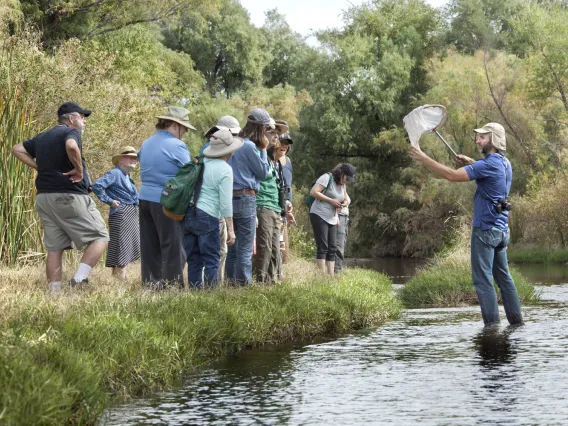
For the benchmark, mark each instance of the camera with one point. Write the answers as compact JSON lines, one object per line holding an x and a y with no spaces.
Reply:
{"x":283,"y":192}
{"x":502,"y":205}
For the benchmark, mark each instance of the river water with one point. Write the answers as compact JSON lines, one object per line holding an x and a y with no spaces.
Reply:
{"x":429,"y":367}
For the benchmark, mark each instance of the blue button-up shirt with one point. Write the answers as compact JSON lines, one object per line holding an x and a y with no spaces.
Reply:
{"x":160,"y":157}
{"x":250,"y":166}
{"x":116,"y":185}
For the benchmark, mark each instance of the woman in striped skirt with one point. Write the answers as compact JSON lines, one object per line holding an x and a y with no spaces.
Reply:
{"x":117,"y":189}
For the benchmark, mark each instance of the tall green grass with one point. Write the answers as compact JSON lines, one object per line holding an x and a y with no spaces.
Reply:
{"x":448,"y":283}
{"x":537,"y":255}
{"x":63,"y":359}
{"x":20,"y":233}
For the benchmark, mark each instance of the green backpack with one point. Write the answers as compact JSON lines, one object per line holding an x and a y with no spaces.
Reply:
{"x":178,"y":191}
{"x":309,"y":200}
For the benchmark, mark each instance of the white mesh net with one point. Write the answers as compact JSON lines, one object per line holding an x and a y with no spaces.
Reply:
{"x":424,"y":119}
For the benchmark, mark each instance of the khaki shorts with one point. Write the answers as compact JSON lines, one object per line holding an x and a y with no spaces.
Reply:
{"x":69,"y":218}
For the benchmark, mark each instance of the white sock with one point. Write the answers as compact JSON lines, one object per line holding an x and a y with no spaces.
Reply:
{"x":82,"y":273}
{"x":55,"y":286}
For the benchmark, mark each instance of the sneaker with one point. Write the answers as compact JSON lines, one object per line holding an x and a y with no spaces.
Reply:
{"x":74,"y":283}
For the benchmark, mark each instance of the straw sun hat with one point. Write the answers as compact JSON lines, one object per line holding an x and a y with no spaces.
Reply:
{"x":125,"y":151}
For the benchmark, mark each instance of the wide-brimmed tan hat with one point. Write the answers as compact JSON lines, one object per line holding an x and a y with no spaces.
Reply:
{"x":179,"y":115}
{"x":498,"y":138}
{"x":222,"y":143}
{"x":125,"y":151}
{"x":226,"y":122}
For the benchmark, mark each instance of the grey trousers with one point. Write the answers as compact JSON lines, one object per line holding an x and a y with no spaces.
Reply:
{"x":342,"y":231}
{"x":267,"y":262}
{"x":161,"y":247}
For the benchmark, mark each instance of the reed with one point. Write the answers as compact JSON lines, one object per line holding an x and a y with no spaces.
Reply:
{"x":20,"y":233}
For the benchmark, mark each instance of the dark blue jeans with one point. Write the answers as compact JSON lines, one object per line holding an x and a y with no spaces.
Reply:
{"x":202,"y":244}
{"x":488,"y":261}
{"x":238,"y":267}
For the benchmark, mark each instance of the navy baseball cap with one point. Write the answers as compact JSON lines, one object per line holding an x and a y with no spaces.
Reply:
{"x":70,"y":107}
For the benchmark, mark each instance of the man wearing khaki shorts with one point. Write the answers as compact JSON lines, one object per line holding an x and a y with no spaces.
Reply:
{"x":68,"y":215}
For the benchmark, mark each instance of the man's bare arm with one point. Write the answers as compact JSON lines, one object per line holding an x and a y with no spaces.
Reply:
{"x":459,"y":175}
{"x":74,"y":154}
{"x":21,"y":154}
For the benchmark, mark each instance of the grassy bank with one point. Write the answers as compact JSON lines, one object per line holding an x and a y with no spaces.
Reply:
{"x":64,"y":359}
{"x":537,"y":255}
{"x":447,"y":282}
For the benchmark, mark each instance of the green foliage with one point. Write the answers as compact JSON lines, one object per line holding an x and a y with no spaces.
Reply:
{"x":301,"y":236}
{"x":481,"y":24}
{"x":536,"y":255}
{"x":142,"y":62}
{"x":63,"y":19}
{"x":61,"y":362}
{"x":448,"y":283}
{"x":227,"y":48}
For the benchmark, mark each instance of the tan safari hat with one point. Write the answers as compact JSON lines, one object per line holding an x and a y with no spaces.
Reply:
{"x":179,"y":115}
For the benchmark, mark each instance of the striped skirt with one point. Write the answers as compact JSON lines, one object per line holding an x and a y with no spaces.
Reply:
{"x":124,"y":230}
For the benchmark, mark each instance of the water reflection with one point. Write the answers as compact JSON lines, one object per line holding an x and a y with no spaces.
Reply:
{"x":494,"y":346}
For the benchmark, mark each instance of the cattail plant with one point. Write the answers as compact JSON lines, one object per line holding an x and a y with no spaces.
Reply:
{"x":20,"y":230}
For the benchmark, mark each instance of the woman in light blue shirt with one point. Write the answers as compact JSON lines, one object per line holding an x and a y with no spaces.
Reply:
{"x":250,"y":166}
{"x":160,"y":157}
{"x":213,"y":201}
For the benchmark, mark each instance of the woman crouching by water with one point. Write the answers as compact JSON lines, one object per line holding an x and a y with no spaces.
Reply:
{"x":117,"y":189}
{"x":330,"y":197}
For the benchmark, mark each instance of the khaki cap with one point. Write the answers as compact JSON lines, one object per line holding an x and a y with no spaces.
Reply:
{"x":498,"y":138}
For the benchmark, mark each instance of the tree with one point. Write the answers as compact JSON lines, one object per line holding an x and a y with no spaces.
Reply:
{"x":227,"y":48}
{"x":287,"y":49}
{"x":482,"y":24}
{"x":64,"y":19}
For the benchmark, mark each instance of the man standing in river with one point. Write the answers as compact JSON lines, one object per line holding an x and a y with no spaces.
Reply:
{"x":490,"y":233}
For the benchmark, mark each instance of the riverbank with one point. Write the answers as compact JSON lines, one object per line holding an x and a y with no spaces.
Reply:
{"x":66,"y":357}
{"x":536,"y":255}
{"x":447,"y":282}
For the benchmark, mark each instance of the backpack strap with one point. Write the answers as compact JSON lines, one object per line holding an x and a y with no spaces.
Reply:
{"x":198,"y":184}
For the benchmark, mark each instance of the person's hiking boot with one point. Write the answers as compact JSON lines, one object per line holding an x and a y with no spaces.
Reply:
{"x":77,"y":284}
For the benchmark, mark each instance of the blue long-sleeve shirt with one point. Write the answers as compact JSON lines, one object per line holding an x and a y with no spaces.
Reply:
{"x":250,"y":166}
{"x":160,"y":157}
{"x":116,"y":185}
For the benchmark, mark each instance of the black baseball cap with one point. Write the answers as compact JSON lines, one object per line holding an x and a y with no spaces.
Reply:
{"x":285,"y":137}
{"x":70,"y":107}
{"x":349,"y":171}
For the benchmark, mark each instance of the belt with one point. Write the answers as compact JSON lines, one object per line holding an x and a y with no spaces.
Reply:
{"x":244,"y":191}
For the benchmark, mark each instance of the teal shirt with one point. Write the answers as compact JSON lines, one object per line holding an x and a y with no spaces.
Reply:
{"x":216,"y":196}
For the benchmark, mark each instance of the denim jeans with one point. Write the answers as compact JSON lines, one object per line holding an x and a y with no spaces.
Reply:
{"x":238,"y":266}
{"x":201,"y":241}
{"x":488,"y":261}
